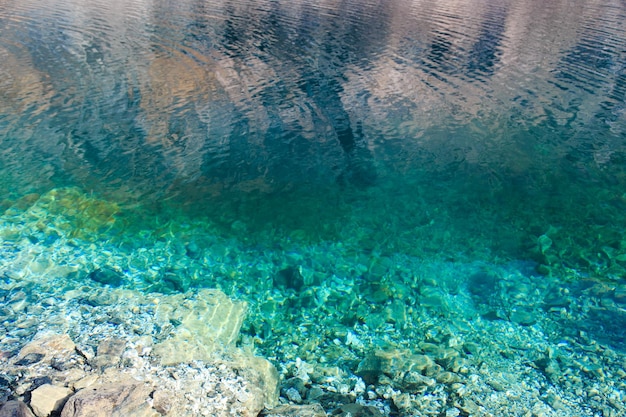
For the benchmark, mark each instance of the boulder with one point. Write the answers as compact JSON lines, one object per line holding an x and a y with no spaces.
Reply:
{"x":262,"y":378}
{"x":207,"y":323}
{"x":48,"y":399}
{"x":111,"y":400}
{"x":109,"y":353}
{"x":46,"y":348}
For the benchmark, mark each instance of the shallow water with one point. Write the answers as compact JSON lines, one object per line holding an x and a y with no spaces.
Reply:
{"x":371,"y":145}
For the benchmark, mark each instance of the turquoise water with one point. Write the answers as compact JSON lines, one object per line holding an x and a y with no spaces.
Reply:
{"x":400,"y":169}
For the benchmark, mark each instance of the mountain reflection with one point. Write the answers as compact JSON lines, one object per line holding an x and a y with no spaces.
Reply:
{"x":272,"y":95}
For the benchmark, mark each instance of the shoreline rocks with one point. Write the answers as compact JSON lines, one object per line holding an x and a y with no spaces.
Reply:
{"x":201,"y":372}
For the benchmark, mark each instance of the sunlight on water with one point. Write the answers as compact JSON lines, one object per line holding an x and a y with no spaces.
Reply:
{"x":386,"y":175}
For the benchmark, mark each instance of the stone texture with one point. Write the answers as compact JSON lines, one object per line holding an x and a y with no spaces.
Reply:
{"x":356,"y":410}
{"x":263,"y":381}
{"x":55,"y":346}
{"x":48,"y":399}
{"x":208,"y":322}
{"x":109,"y":353}
{"x":15,"y":409}
{"x":111,"y":400}
{"x":287,"y":410}
{"x":162,"y":401}
{"x":392,"y":363}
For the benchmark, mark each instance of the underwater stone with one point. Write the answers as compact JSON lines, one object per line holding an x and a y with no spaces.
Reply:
{"x":263,"y":381}
{"x":356,"y":410}
{"x":288,"y":410}
{"x":30,"y":359}
{"x":290,"y":277}
{"x":293,"y":395}
{"x":171,"y":281}
{"x":109,"y":353}
{"x":296,"y":384}
{"x":370,"y":369}
{"x":418,"y":362}
{"x":548,"y":366}
{"x":106,"y":276}
{"x":51,"y":346}
{"x":522,"y":316}
{"x":162,"y":401}
{"x":209,"y":321}
{"x":415,"y":382}
{"x":447,"y":378}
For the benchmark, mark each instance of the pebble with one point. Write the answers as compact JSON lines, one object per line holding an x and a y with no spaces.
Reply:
{"x":434,"y":335}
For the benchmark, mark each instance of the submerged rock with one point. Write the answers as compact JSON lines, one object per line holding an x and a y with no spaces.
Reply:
{"x":288,"y":410}
{"x":106,"y":276}
{"x":356,"y":410}
{"x":109,"y":353}
{"x":290,"y":277}
{"x":47,"y":350}
{"x":207,"y":322}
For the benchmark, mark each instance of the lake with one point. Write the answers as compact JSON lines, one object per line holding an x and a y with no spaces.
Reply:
{"x":373,"y":175}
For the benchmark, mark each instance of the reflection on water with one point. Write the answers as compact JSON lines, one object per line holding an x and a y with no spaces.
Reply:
{"x":471,"y":115}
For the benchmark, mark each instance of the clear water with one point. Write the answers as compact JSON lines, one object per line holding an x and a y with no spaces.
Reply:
{"x":361,"y":141}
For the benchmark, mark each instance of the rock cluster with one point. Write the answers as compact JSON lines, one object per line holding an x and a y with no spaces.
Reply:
{"x":134,"y":377}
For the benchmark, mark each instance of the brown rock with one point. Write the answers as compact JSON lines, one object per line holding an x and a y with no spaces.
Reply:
{"x":48,"y":399}
{"x":15,"y":409}
{"x":111,"y":400}
{"x":313,"y":410}
{"x":57,"y":346}
{"x":162,"y":401}
{"x":109,"y":353}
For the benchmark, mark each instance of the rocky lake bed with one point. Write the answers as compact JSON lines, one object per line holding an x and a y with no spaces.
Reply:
{"x":190,"y":322}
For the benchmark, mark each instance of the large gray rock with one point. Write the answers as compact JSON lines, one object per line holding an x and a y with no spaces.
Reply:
{"x":262,"y":378}
{"x":208,"y":327}
{"x":111,"y":400}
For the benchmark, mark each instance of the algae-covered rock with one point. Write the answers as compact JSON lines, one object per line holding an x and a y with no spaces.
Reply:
{"x":73,"y":213}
